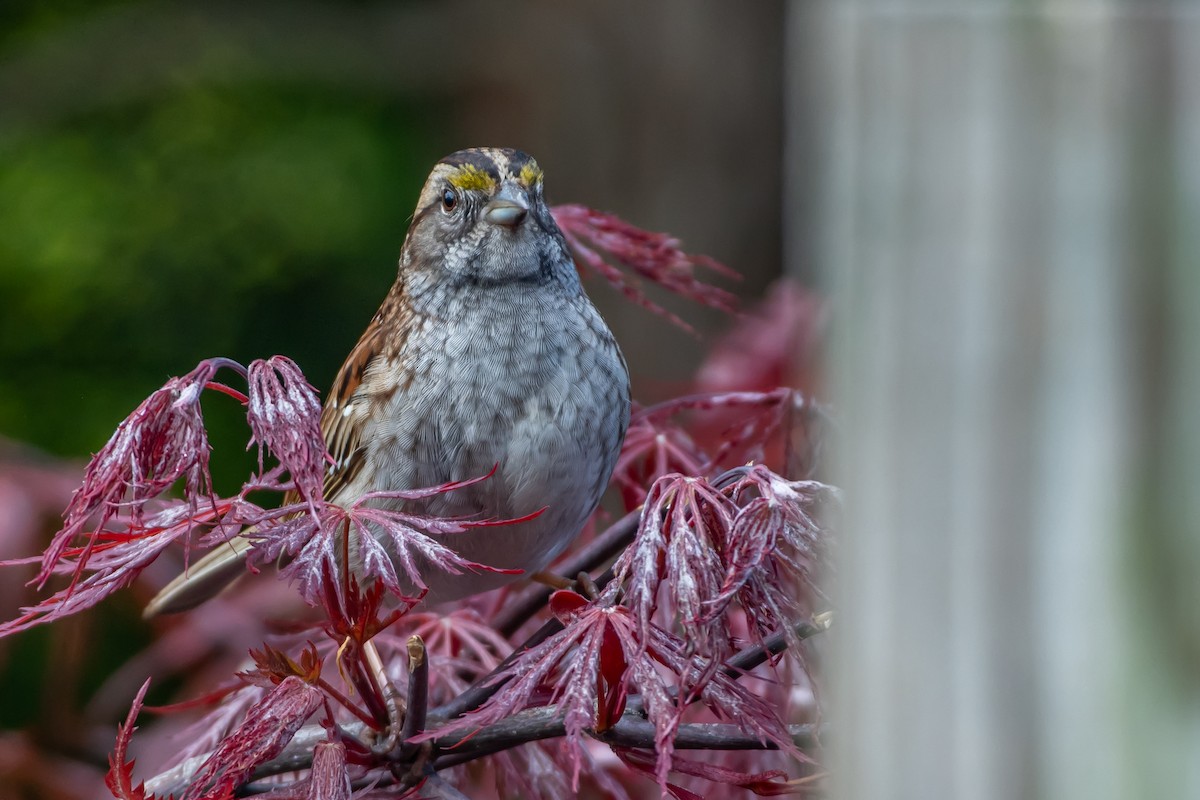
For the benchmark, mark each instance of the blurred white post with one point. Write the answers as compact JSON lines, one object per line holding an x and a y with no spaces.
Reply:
{"x":1008,"y":207}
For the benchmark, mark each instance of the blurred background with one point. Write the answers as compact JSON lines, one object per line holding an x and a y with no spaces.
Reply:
{"x":999,"y":197}
{"x":1006,"y":223}
{"x":186,"y":180}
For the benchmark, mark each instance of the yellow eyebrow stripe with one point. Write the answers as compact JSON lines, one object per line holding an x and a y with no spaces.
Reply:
{"x":531,"y":173}
{"x":470,"y":177}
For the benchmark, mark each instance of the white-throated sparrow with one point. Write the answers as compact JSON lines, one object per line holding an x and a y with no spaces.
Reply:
{"x":485,"y":352}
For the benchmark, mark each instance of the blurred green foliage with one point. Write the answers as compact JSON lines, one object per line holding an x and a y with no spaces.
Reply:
{"x":212,"y":216}
{"x":216,"y":218}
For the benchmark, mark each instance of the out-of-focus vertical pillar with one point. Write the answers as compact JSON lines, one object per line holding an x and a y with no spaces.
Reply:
{"x":1007,"y":213}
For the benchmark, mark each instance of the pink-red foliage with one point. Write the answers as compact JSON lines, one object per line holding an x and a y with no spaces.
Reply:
{"x":268,"y":727}
{"x":721,"y":430}
{"x":657,"y":257}
{"x":164,"y":441}
{"x":315,"y":544}
{"x":119,"y":779}
{"x":721,"y":565}
{"x":284,"y":416}
{"x":764,"y":784}
{"x":601,"y":656}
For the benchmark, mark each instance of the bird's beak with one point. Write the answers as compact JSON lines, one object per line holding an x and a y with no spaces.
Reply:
{"x":508,"y":208}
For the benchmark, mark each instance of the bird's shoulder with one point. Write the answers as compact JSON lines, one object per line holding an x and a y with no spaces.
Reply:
{"x":373,"y":368}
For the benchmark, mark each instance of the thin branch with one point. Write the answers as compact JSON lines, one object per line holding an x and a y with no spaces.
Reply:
{"x":379,"y":678}
{"x":601,"y":549}
{"x":418,"y":688}
{"x":359,"y":674}
{"x":526,"y":726}
{"x":635,"y":732}
{"x":543,"y":723}
{"x":773,"y":645}
{"x":630,"y":731}
{"x":477,"y":693}
{"x":745,"y":660}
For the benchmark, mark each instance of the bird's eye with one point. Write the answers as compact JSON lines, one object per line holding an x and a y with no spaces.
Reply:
{"x":449,"y":200}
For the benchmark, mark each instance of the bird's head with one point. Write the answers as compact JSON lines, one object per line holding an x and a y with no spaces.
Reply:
{"x":481,"y":220}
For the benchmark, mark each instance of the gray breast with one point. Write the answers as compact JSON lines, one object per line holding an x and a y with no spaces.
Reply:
{"x":531,"y":381}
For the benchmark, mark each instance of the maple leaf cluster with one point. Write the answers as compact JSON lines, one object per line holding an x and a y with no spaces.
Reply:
{"x":675,"y":649}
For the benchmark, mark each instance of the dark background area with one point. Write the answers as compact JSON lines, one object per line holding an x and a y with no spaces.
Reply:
{"x":182,"y":181}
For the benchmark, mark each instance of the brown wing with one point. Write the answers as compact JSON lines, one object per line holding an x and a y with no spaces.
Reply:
{"x":342,"y":417}
{"x":340,"y":423}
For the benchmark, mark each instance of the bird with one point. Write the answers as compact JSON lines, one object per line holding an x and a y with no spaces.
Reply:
{"x":486,"y":354}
